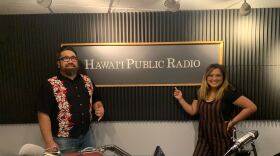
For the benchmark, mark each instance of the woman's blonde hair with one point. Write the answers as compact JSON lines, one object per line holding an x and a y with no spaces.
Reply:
{"x":205,"y":88}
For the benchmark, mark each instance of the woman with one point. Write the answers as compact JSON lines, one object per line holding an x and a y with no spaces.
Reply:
{"x":215,"y":105}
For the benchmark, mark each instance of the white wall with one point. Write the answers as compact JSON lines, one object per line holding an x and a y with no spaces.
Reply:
{"x":141,"y":138}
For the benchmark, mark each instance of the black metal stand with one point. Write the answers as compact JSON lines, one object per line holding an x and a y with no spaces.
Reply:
{"x":254,"y":148}
{"x":242,"y":152}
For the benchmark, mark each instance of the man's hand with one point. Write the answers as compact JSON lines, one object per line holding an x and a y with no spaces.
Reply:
{"x":51,"y":147}
{"x":99,"y":109}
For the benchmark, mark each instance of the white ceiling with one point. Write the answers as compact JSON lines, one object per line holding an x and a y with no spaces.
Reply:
{"x":105,"y":6}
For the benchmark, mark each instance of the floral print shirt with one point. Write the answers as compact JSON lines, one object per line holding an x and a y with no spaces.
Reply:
{"x":69,"y":104}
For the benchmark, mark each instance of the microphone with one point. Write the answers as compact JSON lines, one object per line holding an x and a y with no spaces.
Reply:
{"x":249,"y":137}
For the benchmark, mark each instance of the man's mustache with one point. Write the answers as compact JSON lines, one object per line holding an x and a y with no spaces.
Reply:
{"x":70,"y":64}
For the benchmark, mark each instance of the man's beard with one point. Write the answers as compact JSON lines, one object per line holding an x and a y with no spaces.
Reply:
{"x":70,"y":71}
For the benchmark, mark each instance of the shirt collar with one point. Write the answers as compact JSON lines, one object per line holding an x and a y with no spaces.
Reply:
{"x":63,"y":78}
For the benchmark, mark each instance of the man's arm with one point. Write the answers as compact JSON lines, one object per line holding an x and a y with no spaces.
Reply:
{"x":45,"y":127}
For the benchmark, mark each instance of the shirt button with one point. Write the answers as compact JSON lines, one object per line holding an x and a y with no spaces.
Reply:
{"x":83,"y":114}
{"x":81,"y":104}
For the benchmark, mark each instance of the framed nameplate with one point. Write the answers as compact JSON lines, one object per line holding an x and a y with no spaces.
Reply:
{"x":147,"y":64}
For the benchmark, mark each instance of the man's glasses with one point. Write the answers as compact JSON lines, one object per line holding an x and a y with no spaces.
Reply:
{"x":67,"y":59}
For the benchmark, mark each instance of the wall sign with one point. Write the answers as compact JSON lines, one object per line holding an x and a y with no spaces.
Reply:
{"x":147,"y":64}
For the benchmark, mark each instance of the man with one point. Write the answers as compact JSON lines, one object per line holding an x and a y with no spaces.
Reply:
{"x":65,"y":107}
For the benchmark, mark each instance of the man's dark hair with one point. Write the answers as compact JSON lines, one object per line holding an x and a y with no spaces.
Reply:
{"x":58,"y":54}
